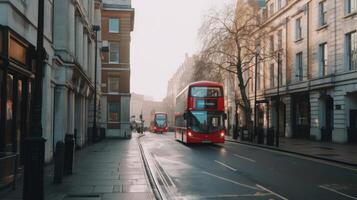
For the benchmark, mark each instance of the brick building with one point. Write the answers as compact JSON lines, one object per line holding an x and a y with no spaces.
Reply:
{"x":117,"y":24}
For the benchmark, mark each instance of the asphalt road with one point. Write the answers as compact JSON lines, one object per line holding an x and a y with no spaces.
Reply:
{"x":236,"y":171}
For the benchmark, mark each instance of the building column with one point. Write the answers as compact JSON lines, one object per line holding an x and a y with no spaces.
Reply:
{"x":288,"y":116}
{"x":60,"y":113}
{"x":78,"y":120}
{"x":71,"y":112}
{"x":315,"y":111}
{"x":340,"y":115}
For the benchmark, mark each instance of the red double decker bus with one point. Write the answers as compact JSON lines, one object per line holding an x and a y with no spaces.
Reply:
{"x":158,"y":122}
{"x":199,"y":113}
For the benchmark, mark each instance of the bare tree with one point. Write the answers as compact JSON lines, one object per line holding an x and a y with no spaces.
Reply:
{"x":229,"y":39}
{"x":203,"y":70}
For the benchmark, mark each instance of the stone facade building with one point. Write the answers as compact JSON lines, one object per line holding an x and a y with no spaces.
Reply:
{"x":117,"y":24}
{"x":317,"y":43}
{"x":68,"y":80}
{"x":71,"y":87}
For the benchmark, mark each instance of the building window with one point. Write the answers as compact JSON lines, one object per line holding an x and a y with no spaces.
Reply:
{"x":280,"y":40}
{"x":323,"y":59}
{"x":259,"y":74}
{"x":272,"y":49}
{"x":322,"y":13}
{"x":299,"y":67}
{"x":271,"y":9}
{"x":280,"y":4}
{"x":298,"y":29}
{"x":113,"y":25}
{"x":114,"y":53}
{"x":350,"y":6}
{"x":113,"y":85}
{"x":113,"y":111}
{"x":280,"y":71}
{"x":351,"y":50}
{"x":272,"y":75}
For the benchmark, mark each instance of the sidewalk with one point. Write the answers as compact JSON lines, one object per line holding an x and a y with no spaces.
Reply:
{"x":111,"y":169}
{"x":343,"y":153}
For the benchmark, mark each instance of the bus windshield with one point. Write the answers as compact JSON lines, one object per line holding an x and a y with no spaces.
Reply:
{"x":206,"y":91}
{"x":160,"y":120}
{"x":206,"y":121}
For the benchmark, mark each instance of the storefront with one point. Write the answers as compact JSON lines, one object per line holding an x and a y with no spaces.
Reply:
{"x":16,"y":75}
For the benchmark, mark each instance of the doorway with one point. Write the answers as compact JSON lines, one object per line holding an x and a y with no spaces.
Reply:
{"x":352,"y":132}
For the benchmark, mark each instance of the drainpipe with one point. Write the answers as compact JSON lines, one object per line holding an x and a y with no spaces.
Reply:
{"x":308,"y":40}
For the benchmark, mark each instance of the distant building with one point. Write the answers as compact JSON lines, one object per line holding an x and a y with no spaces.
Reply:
{"x":117,"y":24}
{"x":140,"y":104}
{"x":178,"y":82}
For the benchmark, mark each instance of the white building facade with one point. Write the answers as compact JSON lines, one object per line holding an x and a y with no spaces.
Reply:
{"x":317,"y":43}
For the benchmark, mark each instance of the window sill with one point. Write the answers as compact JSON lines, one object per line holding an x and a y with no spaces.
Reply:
{"x":348,"y":15}
{"x":322,"y":27}
{"x":298,"y":40}
{"x":114,"y":63}
{"x":113,"y":31}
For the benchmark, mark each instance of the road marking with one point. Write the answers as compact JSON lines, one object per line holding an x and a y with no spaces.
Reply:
{"x":267,"y":190}
{"x":231,"y":181}
{"x":340,"y":193}
{"x":300,"y":157}
{"x":245,"y":158}
{"x":229,"y":167}
{"x":237,"y":195}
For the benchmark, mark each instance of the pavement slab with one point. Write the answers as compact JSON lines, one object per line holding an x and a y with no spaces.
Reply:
{"x":112,"y":169}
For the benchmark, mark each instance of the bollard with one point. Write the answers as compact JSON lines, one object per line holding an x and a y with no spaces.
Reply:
{"x":270,"y":137}
{"x":260,"y":134}
{"x":69,"y":154}
{"x":59,"y":162}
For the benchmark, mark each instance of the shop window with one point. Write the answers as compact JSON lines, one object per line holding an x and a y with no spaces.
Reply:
{"x":9,"y":113}
{"x":302,"y":113}
{"x":113,"y":111}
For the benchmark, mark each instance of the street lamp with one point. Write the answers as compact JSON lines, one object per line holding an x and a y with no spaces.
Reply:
{"x":255,"y":89}
{"x":278,"y":103}
{"x":35,"y":144}
{"x":95,"y":28}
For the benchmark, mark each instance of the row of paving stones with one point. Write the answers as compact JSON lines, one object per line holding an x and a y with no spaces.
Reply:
{"x":111,"y":169}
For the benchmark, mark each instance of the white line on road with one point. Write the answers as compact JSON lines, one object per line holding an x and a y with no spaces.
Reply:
{"x":267,"y":190}
{"x":229,"y":167}
{"x":231,"y":181}
{"x":340,"y":193}
{"x":300,"y":157}
{"x":245,"y":158}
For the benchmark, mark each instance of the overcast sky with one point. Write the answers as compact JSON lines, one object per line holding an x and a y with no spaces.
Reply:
{"x":164,"y":31}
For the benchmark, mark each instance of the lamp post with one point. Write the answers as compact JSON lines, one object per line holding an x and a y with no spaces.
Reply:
{"x":278,"y":103}
{"x":35,"y":144}
{"x":255,"y":95}
{"x":95,"y":28}
{"x":255,"y":88}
